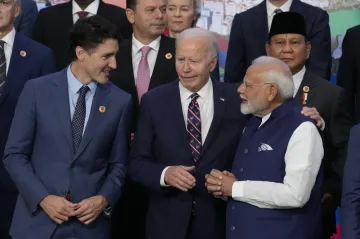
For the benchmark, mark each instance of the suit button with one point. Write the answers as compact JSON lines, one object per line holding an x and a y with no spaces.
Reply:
{"x":241,"y":169}
{"x":233,"y":207}
{"x":232,"y":228}
{"x":246,"y":151}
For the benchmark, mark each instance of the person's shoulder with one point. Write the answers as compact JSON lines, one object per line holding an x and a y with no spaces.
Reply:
{"x":116,"y":92}
{"x":110,"y":8}
{"x":354,"y":32}
{"x":47,"y":80}
{"x":355,"y":130}
{"x":325,"y":85}
{"x":32,"y":45}
{"x":311,"y":10}
{"x":53,"y":11}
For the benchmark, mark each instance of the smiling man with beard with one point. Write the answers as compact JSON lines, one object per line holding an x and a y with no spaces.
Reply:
{"x":69,"y":141}
{"x":274,"y":188}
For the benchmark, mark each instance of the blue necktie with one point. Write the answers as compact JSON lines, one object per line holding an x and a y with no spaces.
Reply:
{"x":78,"y":120}
{"x":2,"y":66}
{"x":194,"y":127}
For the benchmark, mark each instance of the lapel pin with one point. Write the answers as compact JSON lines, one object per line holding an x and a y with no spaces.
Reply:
{"x":23,"y":53}
{"x":306,"y":89}
{"x":102,"y":109}
{"x":222,"y":99}
{"x":168,"y":56}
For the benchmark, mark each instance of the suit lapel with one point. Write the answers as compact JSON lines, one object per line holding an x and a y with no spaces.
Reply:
{"x":261,"y":23}
{"x":68,"y":20}
{"x":306,"y":92}
{"x":219,"y":111}
{"x":96,"y":116}
{"x":61,"y":99}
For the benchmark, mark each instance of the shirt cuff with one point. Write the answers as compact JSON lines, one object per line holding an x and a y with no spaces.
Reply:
{"x":323,"y":124}
{"x":238,"y":190}
{"x":162,"y":178}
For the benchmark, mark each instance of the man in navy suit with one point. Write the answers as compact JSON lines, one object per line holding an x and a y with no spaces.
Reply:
{"x":350,"y":203}
{"x":186,"y":128}
{"x":25,"y":22}
{"x":21,"y":59}
{"x":69,"y":141}
{"x":247,"y":41}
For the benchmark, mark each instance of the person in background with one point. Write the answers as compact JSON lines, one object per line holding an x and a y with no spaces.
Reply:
{"x":69,"y":140}
{"x":25,"y":22}
{"x":53,"y":24}
{"x":183,"y":14}
{"x":288,"y":41}
{"x":21,"y":59}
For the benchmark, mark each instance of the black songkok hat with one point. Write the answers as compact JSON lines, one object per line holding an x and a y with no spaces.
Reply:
{"x":287,"y":23}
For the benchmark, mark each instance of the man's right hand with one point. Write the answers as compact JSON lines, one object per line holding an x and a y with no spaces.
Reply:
{"x":58,"y":208}
{"x":180,"y":178}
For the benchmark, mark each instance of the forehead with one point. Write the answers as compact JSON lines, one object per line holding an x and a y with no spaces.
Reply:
{"x":192,"y":46}
{"x":288,"y":36}
{"x":180,"y":2}
{"x":108,"y":46}
{"x":151,"y":3}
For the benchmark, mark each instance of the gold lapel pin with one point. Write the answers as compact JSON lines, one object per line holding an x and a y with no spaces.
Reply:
{"x":168,"y":56}
{"x":23,"y":53}
{"x":306,"y":89}
{"x":102,"y":109}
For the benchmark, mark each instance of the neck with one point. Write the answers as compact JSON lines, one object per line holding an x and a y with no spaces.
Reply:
{"x":173,"y":34}
{"x":6,"y":31}
{"x":79,"y":73}
{"x":278,"y":3}
{"x":294,"y":71}
{"x":265,"y":112}
{"x":146,"y":40}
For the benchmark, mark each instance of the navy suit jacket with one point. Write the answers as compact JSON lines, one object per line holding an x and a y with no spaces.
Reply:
{"x":39,"y":154}
{"x":247,"y":41}
{"x":350,"y":204}
{"x":25,"y":22}
{"x":162,"y":140}
{"x":39,"y":61}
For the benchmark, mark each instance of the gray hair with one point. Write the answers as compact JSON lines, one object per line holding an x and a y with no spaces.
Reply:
{"x":199,"y":33}
{"x":282,"y":77}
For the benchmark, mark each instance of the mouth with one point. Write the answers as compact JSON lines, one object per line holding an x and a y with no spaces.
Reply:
{"x":243,"y":100}
{"x":286,"y":59}
{"x":177,"y":22}
{"x":106,"y":72}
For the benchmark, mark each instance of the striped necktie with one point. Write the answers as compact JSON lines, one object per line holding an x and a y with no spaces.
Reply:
{"x":2,"y":66}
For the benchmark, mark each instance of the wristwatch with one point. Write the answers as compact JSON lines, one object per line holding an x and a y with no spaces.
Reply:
{"x":107,"y":211}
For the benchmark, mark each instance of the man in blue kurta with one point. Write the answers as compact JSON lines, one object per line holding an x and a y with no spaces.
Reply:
{"x":275,"y":187}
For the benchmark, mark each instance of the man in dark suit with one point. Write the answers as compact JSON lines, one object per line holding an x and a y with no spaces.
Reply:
{"x":247,"y":40}
{"x":145,"y":61}
{"x":81,"y":122}
{"x":288,"y":41}
{"x":25,"y":22}
{"x":21,"y":59}
{"x":185,"y":129}
{"x":348,"y":75}
{"x":350,"y":203}
{"x":53,"y":24}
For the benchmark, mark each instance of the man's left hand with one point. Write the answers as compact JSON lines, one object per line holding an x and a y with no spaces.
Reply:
{"x":90,"y":208}
{"x":313,"y":114}
{"x":223,"y":185}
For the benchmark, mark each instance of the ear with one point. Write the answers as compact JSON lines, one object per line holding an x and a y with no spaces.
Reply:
{"x":272,"y":93}
{"x":17,"y":10}
{"x":81,"y":53}
{"x":130,"y":15}
{"x":267,"y":47}
{"x":213,"y":63}
{"x":308,"y":49}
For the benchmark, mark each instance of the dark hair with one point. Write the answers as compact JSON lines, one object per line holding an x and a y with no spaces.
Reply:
{"x":88,"y":33}
{"x":131,"y":4}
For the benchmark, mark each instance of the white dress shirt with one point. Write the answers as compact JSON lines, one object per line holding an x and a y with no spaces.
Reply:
{"x":8,"y":47}
{"x":151,"y":57}
{"x":303,"y":158}
{"x":91,"y":9}
{"x":298,"y":77}
{"x":206,"y":105}
{"x":270,"y":8}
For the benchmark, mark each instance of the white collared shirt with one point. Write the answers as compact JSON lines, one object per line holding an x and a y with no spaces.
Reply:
{"x":8,"y":47}
{"x":298,"y":77}
{"x":151,"y":57}
{"x":206,"y":105}
{"x":303,"y":158}
{"x":270,"y":8}
{"x":91,"y":9}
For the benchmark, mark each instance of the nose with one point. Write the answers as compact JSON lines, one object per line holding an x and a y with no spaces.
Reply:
{"x":241,"y":89}
{"x":186,"y":67}
{"x":159,"y":14}
{"x":178,"y":13}
{"x":287,"y":47}
{"x":112,"y":63}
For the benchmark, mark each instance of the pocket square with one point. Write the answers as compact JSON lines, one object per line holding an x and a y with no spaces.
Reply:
{"x":264,"y":147}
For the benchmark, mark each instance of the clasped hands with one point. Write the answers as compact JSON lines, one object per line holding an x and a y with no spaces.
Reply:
{"x":220,"y":183}
{"x":60,"y":210}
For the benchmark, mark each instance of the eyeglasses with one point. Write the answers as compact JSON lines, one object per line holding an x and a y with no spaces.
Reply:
{"x":249,"y":85}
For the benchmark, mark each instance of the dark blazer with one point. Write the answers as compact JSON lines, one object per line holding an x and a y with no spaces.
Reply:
{"x":162,"y":140}
{"x":247,"y":41}
{"x":41,"y":130}
{"x":332,"y":103}
{"x":25,"y":22}
{"x":53,"y":25}
{"x":350,"y":204}
{"x":39,"y":61}
{"x":164,"y":69}
{"x":348,"y":75}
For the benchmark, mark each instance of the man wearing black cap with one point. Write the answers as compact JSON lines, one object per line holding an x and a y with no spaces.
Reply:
{"x":247,"y":40}
{"x":289,"y":42}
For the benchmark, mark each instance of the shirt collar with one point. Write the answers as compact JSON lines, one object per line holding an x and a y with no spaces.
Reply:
{"x":204,"y":92}
{"x":92,"y":8}
{"x":136,"y":45}
{"x":270,"y":8}
{"x":10,"y":38}
{"x":75,"y":84}
{"x":297,"y":78}
{"x":264,"y":119}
